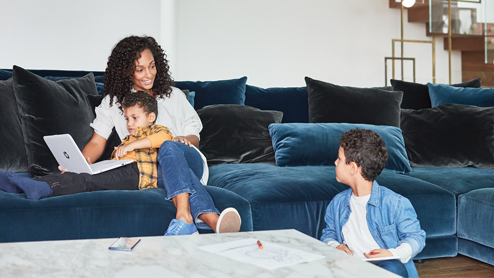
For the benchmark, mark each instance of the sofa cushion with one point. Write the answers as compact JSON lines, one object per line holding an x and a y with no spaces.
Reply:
{"x":216,"y":92}
{"x":298,"y":144}
{"x":12,"y":147}
{"x":98,"y":75}
{"x":449,"y":135}
{"x":292,"y":101}
{"x":304,"y":192}
{"x":329,"y":103}
{"x":475,"y":217}
{"x":416,"y":95}
{"x":456,"y":180}
{"x":47,"y":108}
{"x":236,"y":133}
{"x":443,"y":94}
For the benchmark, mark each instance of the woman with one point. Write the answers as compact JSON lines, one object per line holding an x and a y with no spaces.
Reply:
{"x":139,"y":64}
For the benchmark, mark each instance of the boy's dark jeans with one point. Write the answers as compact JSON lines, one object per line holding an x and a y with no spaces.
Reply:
{"x":121,"y":178}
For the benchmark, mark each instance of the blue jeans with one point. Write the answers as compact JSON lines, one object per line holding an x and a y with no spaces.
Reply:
{"x":181,"y":168}
{"x":395,"y":266}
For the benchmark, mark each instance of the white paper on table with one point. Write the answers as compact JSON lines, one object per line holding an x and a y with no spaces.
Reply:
{"x":381,"y":259}
{"x":272,"y":256}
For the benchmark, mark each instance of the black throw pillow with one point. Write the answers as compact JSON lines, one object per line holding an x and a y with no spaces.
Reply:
{"x":416,"y":95}
{"x":237,"y":134}
{"x":449,"y":135}
{"x":48,"y":107}
{"x":113,"y":140}
{"x":14,"y":157}
{"x":329,"y":103}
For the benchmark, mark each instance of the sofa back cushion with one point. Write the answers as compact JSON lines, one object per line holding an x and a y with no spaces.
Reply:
{"x":215,"y":92}
{"x":329,"y":103}
{"x":416,"y":95}
{"x":443,"y":94}
{"x":12,"y":150}
{"x":292,"y":101}
{"x":48,"y":107}
{"x":236,"y":133}
{"x":449,"y":135}
{"x":317,"y":144}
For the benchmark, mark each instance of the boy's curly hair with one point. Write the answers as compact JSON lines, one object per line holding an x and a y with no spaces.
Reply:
{"x":121,"y":66}
{"x":147,"y":102}
{"x":367,"y":149}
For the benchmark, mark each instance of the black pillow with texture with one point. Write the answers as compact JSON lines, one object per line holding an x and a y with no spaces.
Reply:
{"x":416,"y":95}
{"x":113,"y":140}
{"x":48,"y":107}
{"x":14,"y":157}
{"x":237,"y":134}
{"x":329,"y":103}
{"x":449,"y":135}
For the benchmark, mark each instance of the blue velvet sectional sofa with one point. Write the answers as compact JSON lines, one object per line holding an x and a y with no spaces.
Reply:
{"x":271,"y":154}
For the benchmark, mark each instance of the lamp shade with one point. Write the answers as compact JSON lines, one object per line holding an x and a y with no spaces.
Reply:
{"x":408,"y":3}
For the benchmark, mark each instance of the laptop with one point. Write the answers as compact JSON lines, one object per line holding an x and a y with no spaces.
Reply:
{"x":70,"y":158}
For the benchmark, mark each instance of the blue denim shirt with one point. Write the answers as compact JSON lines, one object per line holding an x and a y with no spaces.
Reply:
{"x":391,"y":219}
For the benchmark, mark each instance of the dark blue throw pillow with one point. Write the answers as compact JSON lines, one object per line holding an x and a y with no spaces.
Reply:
{"x":298,"y":144}
{"x":292,"y":101}
{"x":215,"y":92}
{"x":445,"y":94}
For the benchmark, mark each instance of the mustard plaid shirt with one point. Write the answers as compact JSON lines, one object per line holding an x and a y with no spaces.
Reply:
{"x":147,"y":158}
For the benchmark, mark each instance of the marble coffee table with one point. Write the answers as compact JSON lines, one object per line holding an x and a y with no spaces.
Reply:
{"x":173,"y":257}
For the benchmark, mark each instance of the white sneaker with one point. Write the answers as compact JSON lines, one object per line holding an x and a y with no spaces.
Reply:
{"x":229,"y":221}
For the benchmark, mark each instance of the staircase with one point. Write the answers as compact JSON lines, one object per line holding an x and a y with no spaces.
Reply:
{"x":471,"y":45}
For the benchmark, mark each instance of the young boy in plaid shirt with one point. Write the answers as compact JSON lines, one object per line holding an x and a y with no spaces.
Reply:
{"x":140,"y":111}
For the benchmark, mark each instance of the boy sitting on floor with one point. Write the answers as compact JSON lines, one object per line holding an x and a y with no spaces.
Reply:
{"x":368,"y":220}
{"x":140,"y":110}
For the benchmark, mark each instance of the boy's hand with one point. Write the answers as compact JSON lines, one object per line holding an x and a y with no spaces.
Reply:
{"x":344,"y":248}
{"x":182,"y":139}
{"x":121,"y":151}
{"x":378,"y":253}
{"x":61,"y":170}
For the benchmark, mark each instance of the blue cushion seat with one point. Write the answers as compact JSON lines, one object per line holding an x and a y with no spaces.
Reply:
{"x":297,"y":197}
{"x":100,"y":214}
{"x":456,"y":180}
{"x":476,"y":224}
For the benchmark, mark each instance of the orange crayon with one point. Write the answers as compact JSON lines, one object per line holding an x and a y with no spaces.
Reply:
{"x":260,"y":244}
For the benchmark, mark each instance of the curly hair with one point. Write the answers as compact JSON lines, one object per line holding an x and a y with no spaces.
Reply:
{"x":143,"y":100}
{"x":367,"y":149}
{"x":121,"y":66}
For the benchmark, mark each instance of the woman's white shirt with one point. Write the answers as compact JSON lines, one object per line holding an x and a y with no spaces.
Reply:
{"x":174,"y":112}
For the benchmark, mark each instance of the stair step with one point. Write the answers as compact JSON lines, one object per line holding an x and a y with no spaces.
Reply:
{"x":466,"y":43}
{"x":473,"y":66}
{"x":418,"y":13}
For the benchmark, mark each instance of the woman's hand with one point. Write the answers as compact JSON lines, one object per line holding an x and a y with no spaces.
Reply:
{"x":378,"y":253}
{"x":344,"y":248}
{"x":183,"y":139}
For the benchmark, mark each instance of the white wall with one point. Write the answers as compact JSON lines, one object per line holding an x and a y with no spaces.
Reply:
{"x":71,"y":35}
{"x":272,"y":42}
{"x":279,"y":42}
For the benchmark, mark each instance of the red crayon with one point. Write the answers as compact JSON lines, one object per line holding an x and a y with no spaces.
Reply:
{"x":260,"y":245}
{"x":373,"y":253}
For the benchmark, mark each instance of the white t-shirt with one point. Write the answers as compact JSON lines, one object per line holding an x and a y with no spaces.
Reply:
{"x":174,"y":112}
{"x":356,"y":231}
{"x":357,"y":234}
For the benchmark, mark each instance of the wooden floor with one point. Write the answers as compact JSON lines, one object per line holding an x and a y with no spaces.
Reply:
{"x":459,"y":266}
